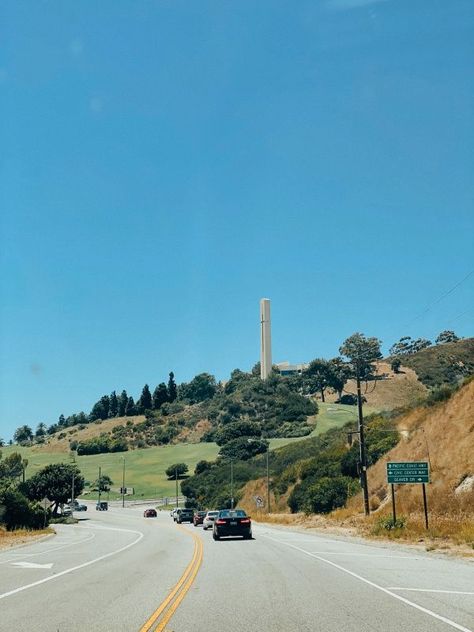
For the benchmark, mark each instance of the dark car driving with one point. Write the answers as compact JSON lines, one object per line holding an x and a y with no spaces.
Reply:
{"x":232,"y":522}
{"x":198,"y":517}
{"x":184,"y":515}
{"x":149,"y":513}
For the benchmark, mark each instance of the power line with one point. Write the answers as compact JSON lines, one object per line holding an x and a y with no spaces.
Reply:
{"x":439,"y":299}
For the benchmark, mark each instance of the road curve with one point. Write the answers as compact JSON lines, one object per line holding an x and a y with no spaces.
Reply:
{"x":116,"y":569}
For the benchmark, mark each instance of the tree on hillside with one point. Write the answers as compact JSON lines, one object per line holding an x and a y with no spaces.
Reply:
{"x":23,"y":435}
{"x":317,"y":376}
{"x":122,"y":403}
{"x":144,"y":402}
{"x":243,"y":448}
{"x":160,"y":396}
{"x":55,"y":482}
{"x":338,"y":375}
{"x":395,"y":365}
{"x":172,"y":388}
{"x":113,"y":405}
{"x":237,"y":429}
{"x":419,"y":344}
{"x":62,"y":421}
{"x":40,"y":429}
{"x":2,"y":442}
{"x":201,"y":388}
{"x":446,"y":336}
{"x":100,"y":410}
{"x":361,"y":352}
{"x":176,"y":470}
{"x":12,"y":466}
{"x":130,"y":409}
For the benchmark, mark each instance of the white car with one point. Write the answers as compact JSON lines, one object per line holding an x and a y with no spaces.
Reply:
{"x":209,"y":518}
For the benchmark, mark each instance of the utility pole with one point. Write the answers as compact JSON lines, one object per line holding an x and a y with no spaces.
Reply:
{"x":72,"y":496}
{"x":268,"y":479}
{"x":362,"y":450}
{"x":123,"y":483}
{"x":232,"y":484}
{"x":176,"y":479}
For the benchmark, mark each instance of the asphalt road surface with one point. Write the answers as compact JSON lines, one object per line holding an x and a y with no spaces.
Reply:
{"x":119,"y":571}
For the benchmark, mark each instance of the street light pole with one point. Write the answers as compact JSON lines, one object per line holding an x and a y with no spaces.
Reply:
{"x":100,"y":476}
{"x":268,"y":479}
{"x":176,"y":479}
{"x":362,"y":449}
{"x":72,"y":496}
{"x":231,"y":484}
{"x":123,"y":483}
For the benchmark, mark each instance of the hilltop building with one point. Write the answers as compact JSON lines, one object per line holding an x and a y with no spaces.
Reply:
{"x":285,"y":368}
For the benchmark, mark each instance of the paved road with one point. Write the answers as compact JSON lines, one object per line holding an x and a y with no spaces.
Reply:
{"x":112,"y":571}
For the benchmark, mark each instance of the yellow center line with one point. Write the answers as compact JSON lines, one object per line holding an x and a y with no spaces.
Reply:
{"x":183,"y":585}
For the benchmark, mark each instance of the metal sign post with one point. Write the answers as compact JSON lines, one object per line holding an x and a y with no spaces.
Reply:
{"x":393,"y":504}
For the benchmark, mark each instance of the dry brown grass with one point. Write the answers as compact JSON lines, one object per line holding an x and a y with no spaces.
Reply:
{"x":10,"y":539}
{"x":396,"y":390}
{"x":89,"y":432}
{"x":443,"y":435}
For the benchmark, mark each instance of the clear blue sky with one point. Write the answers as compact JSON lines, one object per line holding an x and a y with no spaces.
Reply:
{"x":167,"y":163}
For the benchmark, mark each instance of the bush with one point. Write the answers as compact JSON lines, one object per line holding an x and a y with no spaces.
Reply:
{"x":16,"y":512}
{"x":441,"y":394}
{"x":387,"y":523}
{"x":326,"y":494}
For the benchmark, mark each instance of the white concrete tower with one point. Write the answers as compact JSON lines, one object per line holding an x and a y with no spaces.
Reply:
{"x":265,"y":339}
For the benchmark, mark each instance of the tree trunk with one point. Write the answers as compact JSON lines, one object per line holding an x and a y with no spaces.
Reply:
{"x":322,"y":395}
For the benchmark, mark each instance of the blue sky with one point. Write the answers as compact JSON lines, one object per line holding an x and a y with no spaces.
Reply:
{"x":165,"y":164}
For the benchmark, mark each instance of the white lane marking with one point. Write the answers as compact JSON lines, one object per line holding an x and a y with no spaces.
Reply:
{"x":75,"y":568}
{"x":31,"y":565}
{"x":89,"y":536}
{"x":432,"y":590}
{"x":392,"y":557}
{"x":449,"y":622}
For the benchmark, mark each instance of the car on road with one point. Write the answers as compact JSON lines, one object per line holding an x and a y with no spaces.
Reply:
{"x":76,"y":506}
{"x":198,"y":517}
{"x":232,"y":522}
{"x":184,"y":515}
{"x":102,"y":506}
{"x":149,"y":513}
{"x":209,"y":518}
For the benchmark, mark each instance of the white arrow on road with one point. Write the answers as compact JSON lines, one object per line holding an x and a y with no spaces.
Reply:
{"x":31,"y":565}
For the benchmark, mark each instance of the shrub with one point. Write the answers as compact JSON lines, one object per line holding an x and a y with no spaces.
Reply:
{"x":326,"y":494}
{"x":387,"y":523}
{"x":17,"y":512}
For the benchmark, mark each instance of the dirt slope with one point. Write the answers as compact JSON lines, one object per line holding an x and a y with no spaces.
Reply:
{"x":444,"y":436}
{"x":392,"y":390}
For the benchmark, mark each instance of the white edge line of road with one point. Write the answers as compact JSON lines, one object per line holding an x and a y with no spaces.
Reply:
{"x":55,"y":548}
{"x":432,"y":590}
{"x":449,"y":622}
{"x":75,"y":568}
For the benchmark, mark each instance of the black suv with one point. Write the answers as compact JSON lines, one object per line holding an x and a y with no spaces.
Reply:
{"x":184,"y":515}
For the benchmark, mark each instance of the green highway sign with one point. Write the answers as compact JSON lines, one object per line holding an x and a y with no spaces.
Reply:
{"x":410,"y":472}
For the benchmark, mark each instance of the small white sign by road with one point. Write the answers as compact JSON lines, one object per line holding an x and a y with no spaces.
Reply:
{"x":31,"y":565}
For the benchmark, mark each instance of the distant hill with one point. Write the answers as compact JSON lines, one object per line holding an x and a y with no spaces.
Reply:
{"x":442,"y":364}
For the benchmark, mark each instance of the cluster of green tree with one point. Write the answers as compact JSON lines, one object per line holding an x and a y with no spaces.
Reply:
{"x":177,"y":470}
{"x":17,"y":511}
{"x":408,"y":345}
{"x":110,"y":406}
{"x":98,"y":445}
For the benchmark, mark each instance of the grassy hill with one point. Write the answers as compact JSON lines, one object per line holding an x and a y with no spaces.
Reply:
{"x":145,"y":468}
{"x":442,"y":364}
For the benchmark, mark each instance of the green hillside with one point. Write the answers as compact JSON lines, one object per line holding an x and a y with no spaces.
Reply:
{"x":145,"y":468}
{"x":442,"y":364}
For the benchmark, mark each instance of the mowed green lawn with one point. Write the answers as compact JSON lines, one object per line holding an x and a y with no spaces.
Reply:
{"x":145,"y":468}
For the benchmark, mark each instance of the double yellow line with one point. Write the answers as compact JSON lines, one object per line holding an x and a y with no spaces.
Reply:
{"x":165,"y":611}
